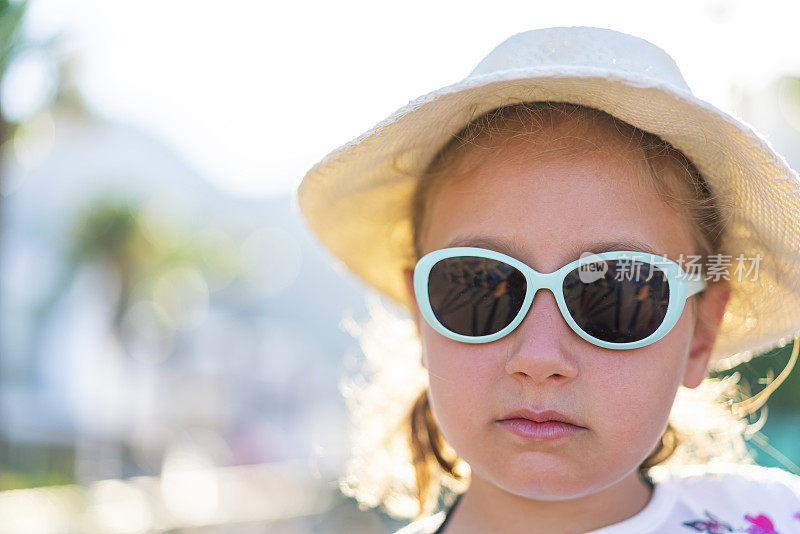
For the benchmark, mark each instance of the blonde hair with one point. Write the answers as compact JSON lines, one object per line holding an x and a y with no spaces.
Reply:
{"x":405,"y":464}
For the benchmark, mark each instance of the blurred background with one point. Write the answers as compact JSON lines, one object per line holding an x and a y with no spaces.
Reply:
{"x":170,"y":332}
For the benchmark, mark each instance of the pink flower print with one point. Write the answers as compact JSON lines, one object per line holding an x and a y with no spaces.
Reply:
{"x":761,"y":524}
{"x":797,"y":516}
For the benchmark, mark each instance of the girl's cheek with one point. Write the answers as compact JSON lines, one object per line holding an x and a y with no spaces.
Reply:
{"x":637,"y":391}
{"x":460,"y":376}
{"x":447,"y":357}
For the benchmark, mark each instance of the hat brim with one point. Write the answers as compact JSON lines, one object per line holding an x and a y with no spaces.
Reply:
{"x":357,"y":199}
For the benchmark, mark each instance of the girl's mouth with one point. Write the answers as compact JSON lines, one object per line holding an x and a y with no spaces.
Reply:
{"x":545,"y":431}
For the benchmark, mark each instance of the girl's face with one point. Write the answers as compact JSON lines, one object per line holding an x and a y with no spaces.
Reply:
{"x":540,"y":209}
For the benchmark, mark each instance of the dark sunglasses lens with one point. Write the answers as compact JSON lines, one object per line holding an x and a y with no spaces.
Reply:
{"x":475,"y":296}
{"x":619,"y":301}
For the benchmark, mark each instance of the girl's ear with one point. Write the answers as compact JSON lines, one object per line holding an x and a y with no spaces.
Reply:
{"x":709,"y":309}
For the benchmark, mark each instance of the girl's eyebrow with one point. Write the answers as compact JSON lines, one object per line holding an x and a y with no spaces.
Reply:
{"x":512,"y":247}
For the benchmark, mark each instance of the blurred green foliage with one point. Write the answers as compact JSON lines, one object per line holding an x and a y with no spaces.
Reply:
{"x":27,"y":465}
{"x":138,"y":246}
{"x":11,"y":15}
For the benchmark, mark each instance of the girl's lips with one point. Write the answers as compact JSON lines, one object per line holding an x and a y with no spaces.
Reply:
{"x":548,"y":430}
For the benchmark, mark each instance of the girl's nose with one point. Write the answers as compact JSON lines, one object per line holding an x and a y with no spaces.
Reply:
{"x":537,"y":347}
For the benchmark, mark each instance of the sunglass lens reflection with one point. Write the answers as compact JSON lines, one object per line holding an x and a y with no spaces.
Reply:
{"x":624,"y":301}
{"x":475,"y":296}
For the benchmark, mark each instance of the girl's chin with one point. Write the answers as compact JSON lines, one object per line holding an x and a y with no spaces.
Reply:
{"x":554,"y":481}
{"x":561,"y":489}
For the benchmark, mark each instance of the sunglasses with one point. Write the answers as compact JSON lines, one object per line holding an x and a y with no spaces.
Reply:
{"x":615,"y":300}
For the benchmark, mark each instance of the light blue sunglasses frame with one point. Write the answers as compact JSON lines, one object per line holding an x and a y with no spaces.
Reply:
{"x":681,"y":287}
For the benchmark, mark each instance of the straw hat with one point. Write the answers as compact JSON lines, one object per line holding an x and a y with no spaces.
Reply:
{"x":357,"y":198}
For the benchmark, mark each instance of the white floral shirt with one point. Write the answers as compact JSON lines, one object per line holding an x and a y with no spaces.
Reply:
{"x":713,"y":499}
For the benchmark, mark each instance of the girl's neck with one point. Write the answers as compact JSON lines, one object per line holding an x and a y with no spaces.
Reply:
{"x":486,"y":508}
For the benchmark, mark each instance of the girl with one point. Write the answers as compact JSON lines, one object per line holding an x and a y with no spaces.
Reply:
{"x":577,"y":236}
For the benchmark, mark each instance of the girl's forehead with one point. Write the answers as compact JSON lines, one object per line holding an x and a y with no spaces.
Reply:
{"x":592,"y":148}
{"x":553,"y":208}
{"x":559,"y":135}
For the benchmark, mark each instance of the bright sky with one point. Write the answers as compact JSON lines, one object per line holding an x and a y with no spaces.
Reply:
{"x":253,"y":93}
